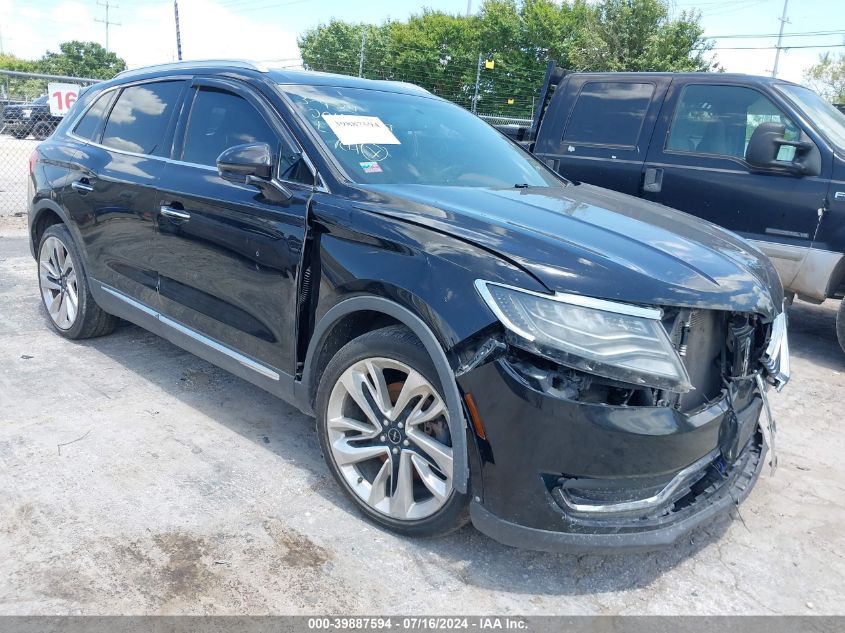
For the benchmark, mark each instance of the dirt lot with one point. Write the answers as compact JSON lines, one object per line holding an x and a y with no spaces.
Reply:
{"x":136,"y":478}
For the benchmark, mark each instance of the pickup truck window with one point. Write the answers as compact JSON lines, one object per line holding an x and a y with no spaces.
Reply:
{"x":826,"y":117}
{"x":720,"y":119}
{"x":609,"y":113}
{"x":390,"y":138}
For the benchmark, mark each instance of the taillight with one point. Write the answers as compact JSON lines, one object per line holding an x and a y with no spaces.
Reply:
{"x":32,"y":158}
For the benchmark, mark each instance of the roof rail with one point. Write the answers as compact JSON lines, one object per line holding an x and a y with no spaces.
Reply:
{"x":198,"y":63}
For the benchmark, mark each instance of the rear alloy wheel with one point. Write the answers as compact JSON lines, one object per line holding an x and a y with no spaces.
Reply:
{"x":59,"y":283}
{"x":64,"y":288}
{"x":384,"y":428}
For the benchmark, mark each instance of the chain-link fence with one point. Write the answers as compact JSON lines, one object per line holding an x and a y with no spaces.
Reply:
{"x":502,"y":90}
{"x":32,"y":105}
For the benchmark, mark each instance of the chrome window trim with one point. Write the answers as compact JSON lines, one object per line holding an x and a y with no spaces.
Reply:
{"x":605,"y":305}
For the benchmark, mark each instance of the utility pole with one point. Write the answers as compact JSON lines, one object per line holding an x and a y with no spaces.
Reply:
{"x":107,"y":21}
{"x":477,"y":81}
{"x":361,"y":56}
{"x":178,"y":34}
{"x":783,"y":22}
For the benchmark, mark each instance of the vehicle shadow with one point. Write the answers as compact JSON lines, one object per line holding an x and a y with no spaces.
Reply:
{"x":466,"y":555}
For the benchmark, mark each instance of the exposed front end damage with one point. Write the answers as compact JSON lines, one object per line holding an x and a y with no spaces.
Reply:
{"x":596,"y":462}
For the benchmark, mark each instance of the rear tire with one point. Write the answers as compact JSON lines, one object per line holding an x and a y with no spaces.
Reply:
{"x":840,"y":325}
{"x":20,"y":135}
{"x":63,"y":286}
{"x":42,"y":130}
{"x":383,"y":428}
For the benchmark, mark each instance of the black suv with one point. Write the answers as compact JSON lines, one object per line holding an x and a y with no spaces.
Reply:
{"x":568,"y":366}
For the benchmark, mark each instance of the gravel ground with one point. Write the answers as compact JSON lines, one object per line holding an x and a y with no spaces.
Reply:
{"x":138,"y":479}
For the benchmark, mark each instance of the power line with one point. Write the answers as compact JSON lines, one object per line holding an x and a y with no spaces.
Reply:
{"x":107,"y":21}
{"x":762,"y":35}
{"x":768,"y":48}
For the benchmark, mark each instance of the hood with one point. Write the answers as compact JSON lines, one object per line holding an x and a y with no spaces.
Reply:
{"x":591,"y":241}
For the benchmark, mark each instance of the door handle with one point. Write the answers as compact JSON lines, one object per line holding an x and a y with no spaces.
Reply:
{"x":81,"y":186}
{"x":653,"y":180}
{"x":175,"y":214}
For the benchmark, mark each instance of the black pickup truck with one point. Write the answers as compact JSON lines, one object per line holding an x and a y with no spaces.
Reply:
{"x":22,"y":119}
{"x":762,"y":157}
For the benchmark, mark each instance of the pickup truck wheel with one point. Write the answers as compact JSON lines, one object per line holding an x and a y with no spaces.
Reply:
{"x":42,"y":130}
{"x":19,"y":134}
{"x":384,"y":431}
{"x":840,"y":325}
{"x":64,"y":288}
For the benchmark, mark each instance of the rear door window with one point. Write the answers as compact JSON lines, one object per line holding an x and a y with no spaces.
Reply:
{"x":141,"y":116}
{"x":609,"y":113}
{"x":89,"y":125}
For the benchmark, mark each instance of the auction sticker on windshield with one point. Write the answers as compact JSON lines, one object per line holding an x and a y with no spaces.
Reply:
{"x":356,"y":130}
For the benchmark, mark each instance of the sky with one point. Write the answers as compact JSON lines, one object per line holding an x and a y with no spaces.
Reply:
{"x":266,"y":30}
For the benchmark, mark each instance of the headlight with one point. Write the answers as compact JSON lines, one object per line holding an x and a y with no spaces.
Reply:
{"x":615,"y":340}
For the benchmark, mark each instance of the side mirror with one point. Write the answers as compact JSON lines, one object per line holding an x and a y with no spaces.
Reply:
{"x":243,"y":163}
{"x":765,"y":146}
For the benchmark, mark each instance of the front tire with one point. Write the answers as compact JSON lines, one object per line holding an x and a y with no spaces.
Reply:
{"x":42,"y":130}
{"x":64,"y":288}
{"x":384,"y":430}
{"x":840,"y":325}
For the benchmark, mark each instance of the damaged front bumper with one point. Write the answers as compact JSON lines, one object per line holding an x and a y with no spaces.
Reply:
{"x":557,"y":474}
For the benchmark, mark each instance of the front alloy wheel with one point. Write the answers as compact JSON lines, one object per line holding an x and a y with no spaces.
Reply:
{"x":59,"y":283}
{"x":388,"y":430}
{"x":384,"y":430}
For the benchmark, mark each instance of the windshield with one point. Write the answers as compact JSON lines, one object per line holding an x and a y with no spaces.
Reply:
{"x":829,"y":121}
{"x":40,"y":100}
{"x":386,"y":138}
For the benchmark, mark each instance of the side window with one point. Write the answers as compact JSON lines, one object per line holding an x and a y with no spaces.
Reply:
{"x":89,"y":124}
{"x":721,"y":119}
{"x":609,"y":113}
{"x":139,"y":119}
{"x":221,"y":119}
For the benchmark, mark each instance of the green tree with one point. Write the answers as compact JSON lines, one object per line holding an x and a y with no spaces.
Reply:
{"x":334,"y":47}
{"x":18,"y":87}
{"x":638,"y":35}
{"x":440,"y":51}
{"x":828,"y":77}
{"x":82,"y":59}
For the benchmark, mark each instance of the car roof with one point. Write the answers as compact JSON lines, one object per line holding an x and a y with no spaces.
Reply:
{"x":281,"y":76}
{"x":703,"y":77}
